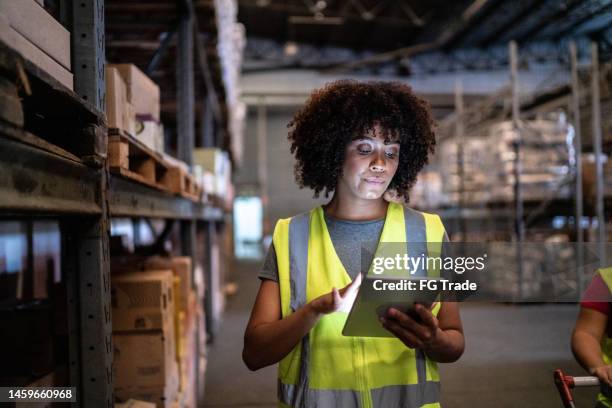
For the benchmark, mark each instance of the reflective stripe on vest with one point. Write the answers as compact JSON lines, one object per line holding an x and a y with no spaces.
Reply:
{"x":606,"y":342}
{"x":326,"y":368}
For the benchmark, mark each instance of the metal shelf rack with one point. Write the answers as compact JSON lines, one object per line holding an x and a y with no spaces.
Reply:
{"x":52,"y":164}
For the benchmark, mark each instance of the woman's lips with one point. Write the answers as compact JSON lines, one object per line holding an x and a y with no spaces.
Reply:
{"x":375,"y":180}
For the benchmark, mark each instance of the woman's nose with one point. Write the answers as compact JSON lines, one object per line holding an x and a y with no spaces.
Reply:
{"x":378,"y":164}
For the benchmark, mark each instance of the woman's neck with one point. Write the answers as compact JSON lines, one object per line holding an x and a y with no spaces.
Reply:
{"x":356,"y":210}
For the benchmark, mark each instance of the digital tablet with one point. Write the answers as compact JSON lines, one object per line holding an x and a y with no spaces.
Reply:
{"x":377,"y":294}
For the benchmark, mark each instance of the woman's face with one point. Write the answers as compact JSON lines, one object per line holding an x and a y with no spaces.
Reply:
{"x":370,"y":163}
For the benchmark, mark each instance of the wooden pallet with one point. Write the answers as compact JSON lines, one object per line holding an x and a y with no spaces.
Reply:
{"x":132,"y":159}
{"x":180,"y":182}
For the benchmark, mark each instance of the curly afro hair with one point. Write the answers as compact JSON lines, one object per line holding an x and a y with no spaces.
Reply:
{"x":343,"y":110}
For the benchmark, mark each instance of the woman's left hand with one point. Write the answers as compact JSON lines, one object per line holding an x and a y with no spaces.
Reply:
{"x":412,"y":333}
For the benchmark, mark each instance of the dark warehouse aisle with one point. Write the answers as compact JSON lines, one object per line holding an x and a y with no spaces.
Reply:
{"x":229,"y":383}
{"x":510,"y":355}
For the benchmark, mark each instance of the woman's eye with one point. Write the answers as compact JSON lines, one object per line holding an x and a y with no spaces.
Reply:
{"x":391,"y":154}
{"x":364,"y":149}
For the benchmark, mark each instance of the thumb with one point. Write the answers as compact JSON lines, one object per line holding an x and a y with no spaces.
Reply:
{"x":336,"y":296}
{"x":351,"y":287}
{"x":356,"y":283}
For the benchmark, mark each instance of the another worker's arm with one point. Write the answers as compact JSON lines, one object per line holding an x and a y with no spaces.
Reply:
{"x":441,"y":337}
{"x":268,"y":337}
{"x":586,"y":346}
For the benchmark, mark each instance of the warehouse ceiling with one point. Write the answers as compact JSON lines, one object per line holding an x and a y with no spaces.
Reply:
{"x":352,"y":34}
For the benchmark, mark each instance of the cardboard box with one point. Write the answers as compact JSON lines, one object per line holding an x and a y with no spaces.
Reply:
{"x":117,"y":112}
{"x":142,"y":92}
{"x":215,"y":161}
{"x":144,"y":359}
{"x":131,"y":115}
{"x":151,"y":133}
{"x":143,"y":301}
{"x":187,"y":355}
{"x":32,"y":53}
{"x":161,"y":396}
{"x":211,"y":159}
{"x":181,"y":268}
{"x":132,"y":403}
{"x":40,"y":28}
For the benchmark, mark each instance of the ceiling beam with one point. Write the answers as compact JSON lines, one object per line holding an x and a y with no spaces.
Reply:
{"x":559,"y":14}
{"x":496,"y":34}
{"x":576,"y":24}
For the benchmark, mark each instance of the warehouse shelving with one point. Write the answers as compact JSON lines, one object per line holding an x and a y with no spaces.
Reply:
{"x":519,"y":214}
{"x":52,"y":165}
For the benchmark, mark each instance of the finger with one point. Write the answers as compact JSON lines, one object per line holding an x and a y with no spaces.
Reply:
{"x":408,"y":323}
{"x":608,"y":377}
{"x":404,"y":335}
{"x":352,"y":287}
{"x":355,"y":284}
{"x":427,"y":317}
{"x":336,"y":297}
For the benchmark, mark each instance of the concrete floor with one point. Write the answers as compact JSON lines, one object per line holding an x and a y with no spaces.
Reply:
{"x":510,"y":355}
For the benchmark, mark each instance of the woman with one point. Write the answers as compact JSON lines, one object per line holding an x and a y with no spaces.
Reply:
{"x":592,"y":336}
{"x":357,"y":141}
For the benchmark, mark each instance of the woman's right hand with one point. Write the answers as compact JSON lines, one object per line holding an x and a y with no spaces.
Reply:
{"x":604,"y":373}
{"x":337,"y":300}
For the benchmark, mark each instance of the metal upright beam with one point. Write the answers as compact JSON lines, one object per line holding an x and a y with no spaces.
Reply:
{"x":599,"y":176}
{"x":262,"y":146}
{"x":578,"y":163}
{"x":91,"y":248}
{"x":85,"y":261}
{"x":207,"y":136}
{"x":88,"y":54}
{"x":459,"y":134}
{"x":519,"y":223}
{"x":185,"y":99}
{"x":209,"y":290}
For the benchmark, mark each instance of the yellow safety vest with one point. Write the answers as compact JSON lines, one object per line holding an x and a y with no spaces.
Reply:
{"x":606,"y":342}
{"x":327,"y":369}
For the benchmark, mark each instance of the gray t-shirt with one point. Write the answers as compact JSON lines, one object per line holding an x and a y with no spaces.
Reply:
{"x":348,"y":238}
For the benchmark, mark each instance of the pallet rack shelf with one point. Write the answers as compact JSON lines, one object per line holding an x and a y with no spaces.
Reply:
{"x":53,"y":152}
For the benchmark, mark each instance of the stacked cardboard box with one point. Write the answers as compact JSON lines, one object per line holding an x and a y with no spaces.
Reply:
{"x":545,"y":158}
{"x":215,"y":162}
{"x":472,"y":178}
{"x":186,"y":330}
{"x":119,"y":112}
{"x":145,"y":365}
{"x":142,"y":92}
{"x":35,"y":34}
{"x":489,"y":162}
{"x":140,"y":103}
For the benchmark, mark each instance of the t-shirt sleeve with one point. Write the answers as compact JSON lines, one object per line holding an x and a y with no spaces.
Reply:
{"x":269,"y":270}
{"x":595,"y":295}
